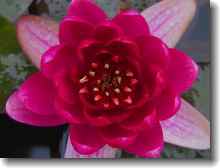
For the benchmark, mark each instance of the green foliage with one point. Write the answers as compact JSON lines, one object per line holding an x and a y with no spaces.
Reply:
{"x":8,"y":42}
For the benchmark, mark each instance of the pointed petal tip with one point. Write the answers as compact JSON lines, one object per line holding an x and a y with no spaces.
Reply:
{"x":188,"y":128}
{"x":169,"y":19}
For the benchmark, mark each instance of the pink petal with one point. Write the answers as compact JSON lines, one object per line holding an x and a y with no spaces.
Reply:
{"x":37,"y":93}
{"x":17,"y":111}
{"x":153,"y":50}
{"x":182,"y":72}
{"x":117,"y":136}
{"x":85,"y":139}
{"x":87,"y":10}
{"x":188,"y":128}
{"x":55,"y":59}
{"x":104,"y":152}
{"x":36,"y":35}
{"x":167,"y":105}
{"x":132,"y":23}
{"x":149,"y":143}
{"x":169,"y":19}
{"x":73,"y":30}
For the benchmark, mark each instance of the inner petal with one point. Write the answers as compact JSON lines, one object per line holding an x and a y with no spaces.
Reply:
{"x":109,"y":81}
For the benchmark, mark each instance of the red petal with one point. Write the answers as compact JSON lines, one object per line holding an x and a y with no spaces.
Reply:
{"x":132,"y":23}
{"x":107,"y":31}
{"x":37,"y":93}
{"x":96,"y":119}
{"x":136,"y":120}
{"x":36,"y":35}
{"x":167,"y":105}
{"x":73,"y":30}
{"x":188,"y":128}
{"x":17,"y":111}
{"x":116,"y":136}
{"x":88,"y":50}
{"x":149,"y":143}
{"x":87,"y":10}
{"x":123,"y":47}
{"x":85,"y":139}
{"x":65,"y":87}
{"x":153,"y":51}
{"x":182,"y":72}
{"x":73,"y":113}
{"x":57,"y":58}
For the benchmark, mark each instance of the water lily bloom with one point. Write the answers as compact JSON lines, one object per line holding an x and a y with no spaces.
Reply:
{"x":112,"y":80}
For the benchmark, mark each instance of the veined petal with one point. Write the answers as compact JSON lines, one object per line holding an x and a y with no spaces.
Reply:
{"x":104,"y":152}
{"x":17,"y":111}
{"x":36,"y":35}
{"x":132,"y":23}
{"x":85,"y":139}
{"x":37,"y":94}
{"x":86,"y":10}
{"x":188,"y":128}
{"x":169,"y":19}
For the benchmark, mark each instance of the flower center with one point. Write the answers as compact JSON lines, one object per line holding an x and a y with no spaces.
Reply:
{"x":109,"y":84}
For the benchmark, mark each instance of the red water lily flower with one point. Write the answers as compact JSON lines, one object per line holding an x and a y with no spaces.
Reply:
{"x":110,"y":79}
